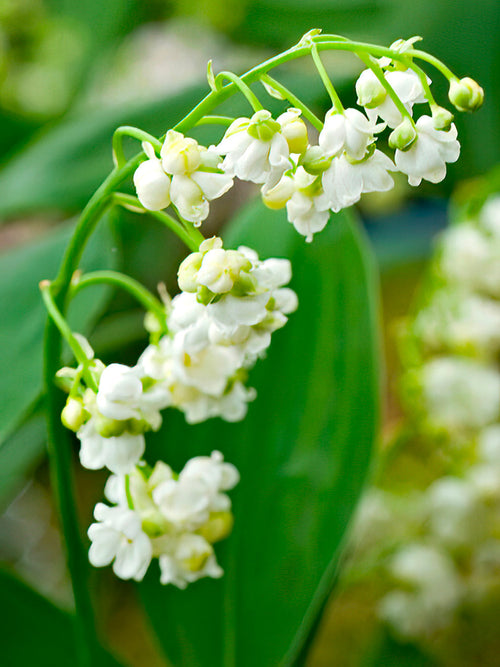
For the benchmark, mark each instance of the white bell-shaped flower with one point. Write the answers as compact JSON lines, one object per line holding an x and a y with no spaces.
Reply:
{"x":350,"y":131}
{"x":151,"y":182}
{"x":308,"y":207}
{"x":407,"y":87}
{"x":255,"y":149}
{"x":185,"y":503}
{"x":186,"y":559}
{"x":427,"y":156}
{"x":213,"y":471}
{"x":118,"y":453}
{"x":118,"y":537}
{"x":180,"y":154}
{"x":120,"y":392}
{"x":344,"y":181}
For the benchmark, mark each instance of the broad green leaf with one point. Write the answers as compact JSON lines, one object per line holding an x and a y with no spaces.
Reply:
{"x":23,"y":314}
{"x":19,"y":455}
{"x":303,"y":452}
{"x":36,"y":632}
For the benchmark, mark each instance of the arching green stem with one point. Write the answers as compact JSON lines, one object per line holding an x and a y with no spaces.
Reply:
{"x":64,"y":329}
{"x":133,"y":287}
{"x":135,"y":133}
{"x":243,"y":88}
{"x":377,"y":70}
{"x":187,"y":233}
{"x":330,"y":88}
{"x":215,"y":120}
{"x":293,"y":99}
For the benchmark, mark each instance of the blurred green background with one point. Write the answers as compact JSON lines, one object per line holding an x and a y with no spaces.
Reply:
{"x":70,"y":73}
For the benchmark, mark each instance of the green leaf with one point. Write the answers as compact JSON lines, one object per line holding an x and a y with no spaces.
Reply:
{"x":387,"y":651}
{"x":303,"y":452}
{"x":19,"y":455}
{"x":34,"y":631}
{"x":23,"y":315}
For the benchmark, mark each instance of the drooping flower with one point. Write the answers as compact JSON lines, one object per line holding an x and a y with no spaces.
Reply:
{"x":185,"y":559}
{"x":256,"y":149}
{"x":427,"y":156}
{"x":378,"y":104}
{"x":119,"y":453}
{"x":151,"y":182}
{"x":345,"y":181}
{"x":118,"y":537}
{"x":350,"y":132}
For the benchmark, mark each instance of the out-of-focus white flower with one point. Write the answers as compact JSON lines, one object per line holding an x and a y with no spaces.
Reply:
{"x":374,"y":97}
{"x":345,"y":181}
{"x":470,"y":258}
{"x":256,"y":150}
{"x":117,"y":453}
{"x":436,"y":591}
{"x":118,"y":537}
{"x":427,"y":156}
{"x":119,"y":392}
{"x":454,"y":511}
{"x":460,"y":393}
{"x":350,"y":131}
{"x":488,"y":445}
{"x":460,"y":321}
{"x":213,"y":471}
{"x":490,"y":216}
{"x":185,"y":559}
{"x":151,"y":182}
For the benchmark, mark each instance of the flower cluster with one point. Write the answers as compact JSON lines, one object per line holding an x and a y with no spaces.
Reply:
{"x":450,"y":526}
{"x":312,"y":180}
{"x":158,"y":514}
{"x":217,"y":327}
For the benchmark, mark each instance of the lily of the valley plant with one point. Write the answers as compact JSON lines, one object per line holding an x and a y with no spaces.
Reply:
{"x":205,"y":339}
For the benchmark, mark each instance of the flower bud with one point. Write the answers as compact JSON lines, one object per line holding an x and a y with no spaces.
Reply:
{"x":73,"y":414}
{"x":152,"y":185}
{"x":188,"y":271}
{"x":218,"y":526}
{"x":180,"y":154}
{"x":403,"y":136}
{"x":277,"y":197}
{"x":371,"y":93}
{"x":315,"y":161}
{"x":294,"y":130}
{"x":262,"y":126}
{"x":442,"y":118}
{"x":466,"y":94}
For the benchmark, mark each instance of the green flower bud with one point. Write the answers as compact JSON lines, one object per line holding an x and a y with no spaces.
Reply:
{"x":205,"y":296}
{"x":109,"y":428}
{"x":188,"y":271}
{"x":294,"y":130}
{"x":403,"y":136}
{"x":314,"y":162}
{"x":74,"y":414}
{"x":371,"y":93}
{"x":466,"y":94}
{"x":442,"y":118}
{"x":277,"y":197}
{"x":218,"y":526}
{"x":262,"y":126}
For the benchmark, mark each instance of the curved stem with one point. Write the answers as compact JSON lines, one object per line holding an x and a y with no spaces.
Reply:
{"x":134,"y":133}
{"x":133,"y":287}
{"x":330,"y":88}
{"x":215,"y":120}
{"x":432,"y":60}
{"x":243,"y":88}
{"x":423,"y":80}
{"x":185,"y":231}
{"x":293,"y":99}
{"x":62,"y":325}
{"x":377,"y":70}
